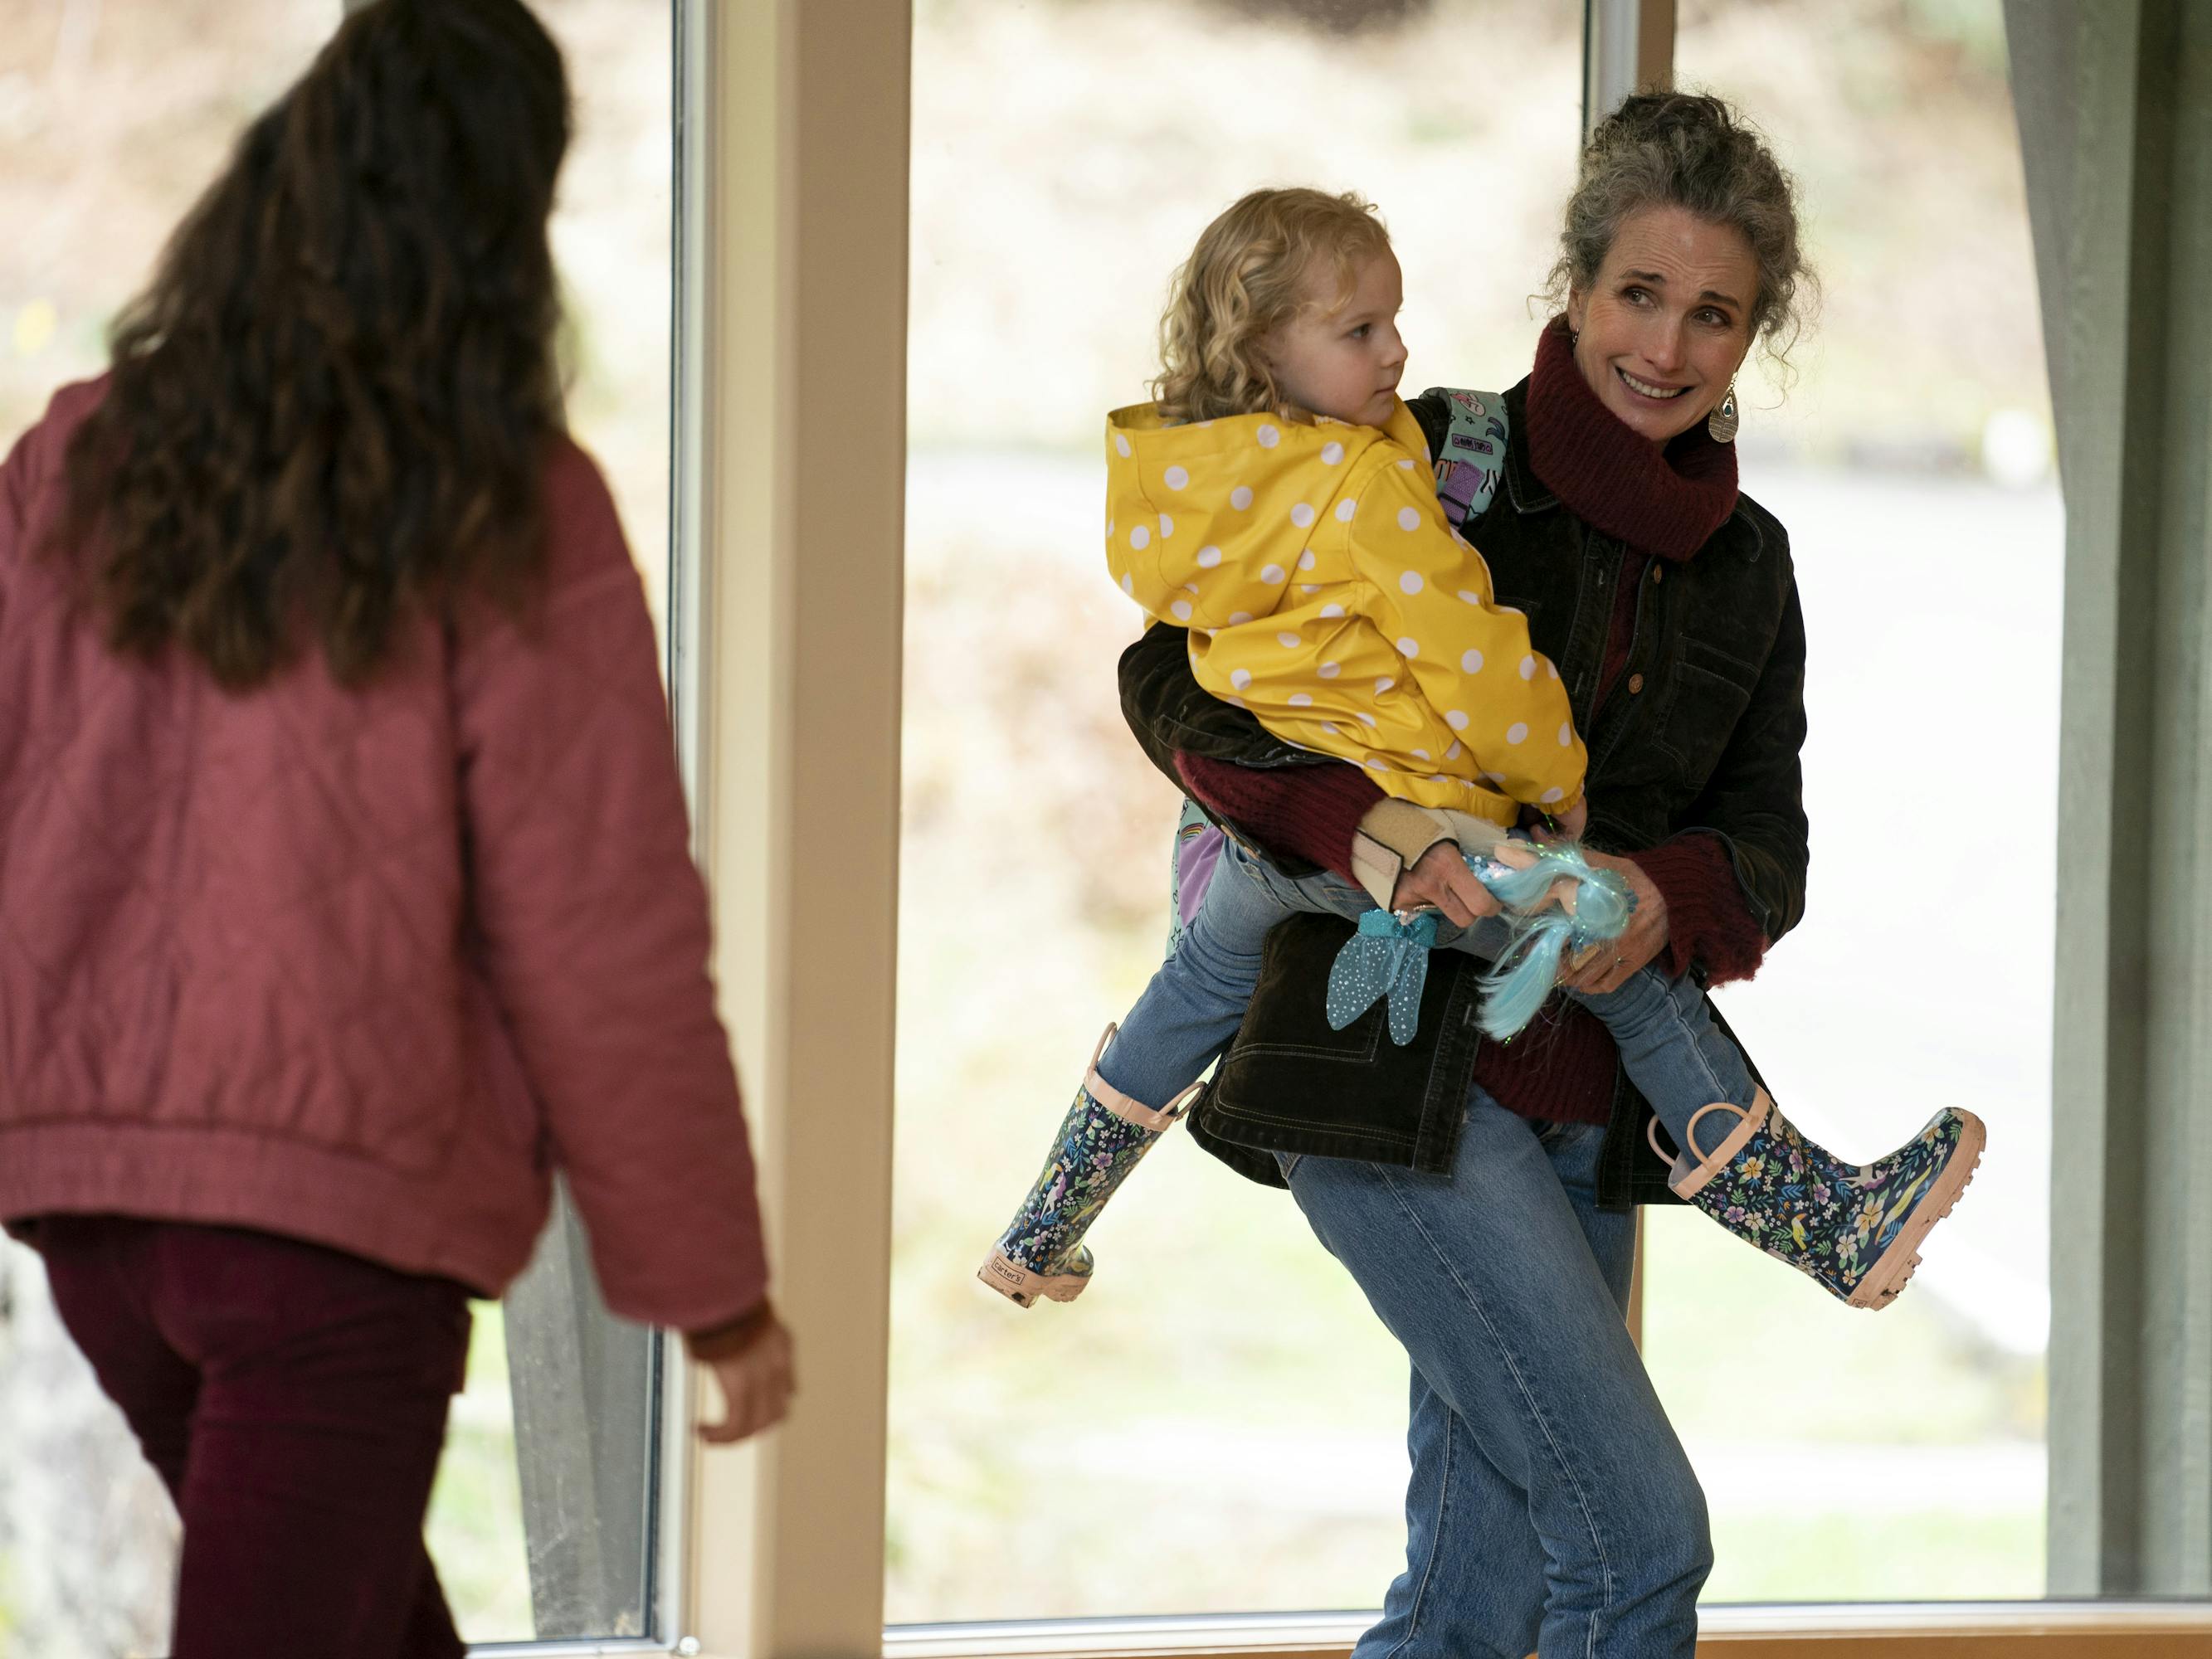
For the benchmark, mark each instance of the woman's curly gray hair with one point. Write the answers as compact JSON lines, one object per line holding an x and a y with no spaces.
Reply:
{"x":1690,"y":150}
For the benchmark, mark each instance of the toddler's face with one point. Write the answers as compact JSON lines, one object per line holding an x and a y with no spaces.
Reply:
{"x":1344,"y":360}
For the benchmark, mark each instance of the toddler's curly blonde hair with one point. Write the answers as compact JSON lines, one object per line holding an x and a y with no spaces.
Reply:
{"x":1243,"y":280}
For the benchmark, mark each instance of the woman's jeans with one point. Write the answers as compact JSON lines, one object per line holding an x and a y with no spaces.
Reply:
{"x":293,"y":1399}
{"x":1669,"y":1045}
{"x":1551,"y":1507}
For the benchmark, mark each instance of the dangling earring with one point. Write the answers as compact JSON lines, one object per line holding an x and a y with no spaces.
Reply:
{"x":1723,"y":422}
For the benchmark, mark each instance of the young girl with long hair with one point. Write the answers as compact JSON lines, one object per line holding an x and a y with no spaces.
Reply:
{"x":344,"y":877}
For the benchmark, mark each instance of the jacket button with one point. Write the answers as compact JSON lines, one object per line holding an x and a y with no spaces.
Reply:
{"x":1658,"y":575}
{"x":1635,"y":683}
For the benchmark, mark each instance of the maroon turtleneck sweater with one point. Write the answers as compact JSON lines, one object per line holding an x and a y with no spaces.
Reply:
{"x":1658,"y":504}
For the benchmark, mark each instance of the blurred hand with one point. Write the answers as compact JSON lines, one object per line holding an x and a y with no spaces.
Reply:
{"x":1441,"y":878}
{"x":757,"y":1387}
{"x":1543,"y":826}
{"x":1601,"y":968}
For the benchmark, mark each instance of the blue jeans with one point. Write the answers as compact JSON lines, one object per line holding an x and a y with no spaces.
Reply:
{"x":1670,"y":1046}
{"x":1550,"y":1509}
{"x":1550,"y":1506}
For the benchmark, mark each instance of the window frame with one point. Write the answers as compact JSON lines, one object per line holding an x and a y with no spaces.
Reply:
{"x":669,"y":1393}
{"x":808,"y":117}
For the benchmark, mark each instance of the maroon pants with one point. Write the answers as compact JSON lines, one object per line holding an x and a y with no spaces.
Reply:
{"x":293,"y":1398}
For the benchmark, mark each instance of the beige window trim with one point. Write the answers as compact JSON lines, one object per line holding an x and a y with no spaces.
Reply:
{"x":1992,"y":1631}
{"x":1628,"y":46}
{"x":803,"y":446}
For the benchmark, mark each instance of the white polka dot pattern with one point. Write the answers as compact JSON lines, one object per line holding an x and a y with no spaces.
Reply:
{"x":1406,"y":605}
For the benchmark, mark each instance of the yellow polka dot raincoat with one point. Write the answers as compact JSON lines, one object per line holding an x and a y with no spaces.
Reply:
{"x":1325,"y":591}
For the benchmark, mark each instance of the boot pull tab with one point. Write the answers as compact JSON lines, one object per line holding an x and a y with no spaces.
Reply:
{"x":1128,"y":1110}
{"x":1651,"y":1131}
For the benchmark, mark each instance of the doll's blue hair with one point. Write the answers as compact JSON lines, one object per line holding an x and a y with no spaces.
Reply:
{"x":1521,"y":980}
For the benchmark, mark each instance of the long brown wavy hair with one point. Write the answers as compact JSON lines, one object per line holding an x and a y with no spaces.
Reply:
{"x":330,"y":412}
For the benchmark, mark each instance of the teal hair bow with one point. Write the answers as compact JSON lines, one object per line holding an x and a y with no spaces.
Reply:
{"x":1386,"y":957}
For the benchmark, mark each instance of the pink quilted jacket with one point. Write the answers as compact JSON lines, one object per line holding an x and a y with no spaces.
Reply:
{"x":365,"y":968}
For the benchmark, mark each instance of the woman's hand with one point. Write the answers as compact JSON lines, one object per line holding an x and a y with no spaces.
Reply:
{"x":1440,"y":877}
{"x":1603,"y":967}
{"x":1541,"y":825}
{"x":756,"y":1386}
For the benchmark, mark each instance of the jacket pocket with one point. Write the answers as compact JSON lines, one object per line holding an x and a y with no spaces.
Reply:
{"x":1707,"y":693}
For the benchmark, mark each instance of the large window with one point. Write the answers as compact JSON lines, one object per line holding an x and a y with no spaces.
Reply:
{"x":1897,"y":1458}
{"x":113,"y":115}
{"x":1222,"y":1379}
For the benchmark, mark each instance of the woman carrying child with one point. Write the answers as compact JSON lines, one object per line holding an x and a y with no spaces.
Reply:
{"x":1550,"y":1504}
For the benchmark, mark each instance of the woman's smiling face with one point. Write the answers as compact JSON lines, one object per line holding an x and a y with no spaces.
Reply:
{"x":1663,"y":329}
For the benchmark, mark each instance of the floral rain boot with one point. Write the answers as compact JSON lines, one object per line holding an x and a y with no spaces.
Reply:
{"x":1855,"y":1230}
{"x":1100,"y":1140}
